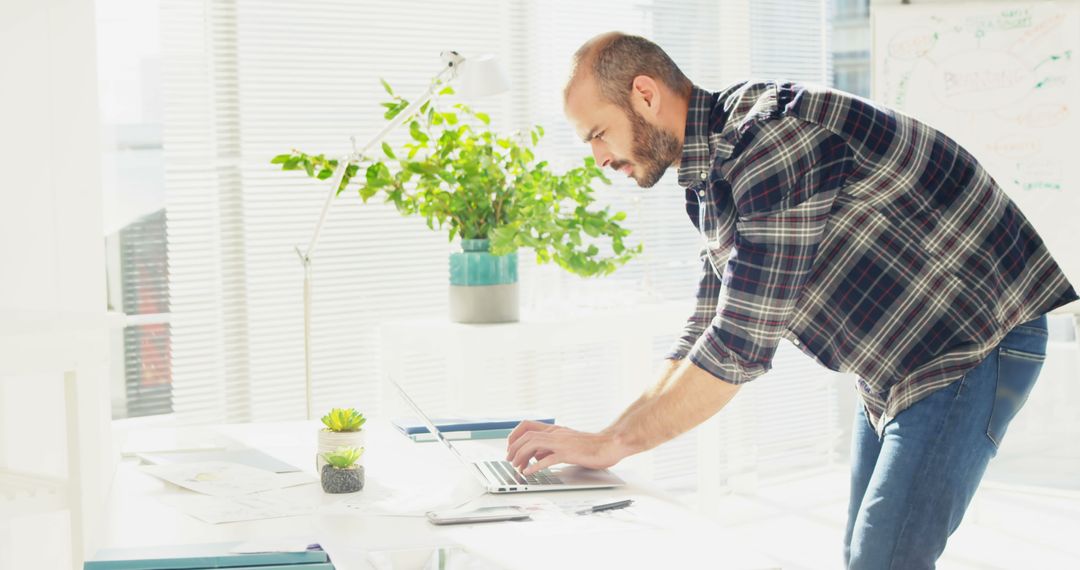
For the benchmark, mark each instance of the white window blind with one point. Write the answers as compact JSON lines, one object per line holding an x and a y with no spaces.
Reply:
{"x":244,"y":80}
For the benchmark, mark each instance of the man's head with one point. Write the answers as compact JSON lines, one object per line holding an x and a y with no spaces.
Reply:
{"x":628,"y":100}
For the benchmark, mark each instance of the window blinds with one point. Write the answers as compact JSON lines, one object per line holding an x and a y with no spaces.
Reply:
{"x":244,"y":80}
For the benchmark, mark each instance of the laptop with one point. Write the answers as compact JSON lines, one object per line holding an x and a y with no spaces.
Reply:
{"x":499,"y":476}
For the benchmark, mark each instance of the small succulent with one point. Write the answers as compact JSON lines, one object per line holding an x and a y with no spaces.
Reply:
{"x":344,"y":419}
{"x":344,"y":457}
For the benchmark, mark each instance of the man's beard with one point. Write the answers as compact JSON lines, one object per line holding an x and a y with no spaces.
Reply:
{"x":654,"y":150}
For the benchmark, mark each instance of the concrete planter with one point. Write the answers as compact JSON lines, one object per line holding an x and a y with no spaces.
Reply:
{"x":337,"y":481}
{"x":483,"y":287}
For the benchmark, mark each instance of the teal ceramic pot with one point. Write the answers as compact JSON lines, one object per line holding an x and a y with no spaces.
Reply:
{"x":483,"y":287}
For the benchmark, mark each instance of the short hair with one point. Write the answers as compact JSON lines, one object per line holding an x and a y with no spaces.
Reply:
{"x":616,"y":58}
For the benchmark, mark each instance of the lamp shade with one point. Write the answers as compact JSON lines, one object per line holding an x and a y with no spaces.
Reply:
{"x":481,"y":76}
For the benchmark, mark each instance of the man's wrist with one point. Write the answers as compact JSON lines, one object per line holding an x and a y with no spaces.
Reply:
{"x":623,"y":441}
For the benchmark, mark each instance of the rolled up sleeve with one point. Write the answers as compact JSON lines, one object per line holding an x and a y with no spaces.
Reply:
{"x":708,"y":294}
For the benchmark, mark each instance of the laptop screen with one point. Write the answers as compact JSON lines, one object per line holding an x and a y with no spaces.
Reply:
{"x":427,"y":422}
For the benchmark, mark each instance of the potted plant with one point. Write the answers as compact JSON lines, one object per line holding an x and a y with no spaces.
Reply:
{"x":342,"y":473}
{"x":344,"y":428}
{"x":492,"y":193}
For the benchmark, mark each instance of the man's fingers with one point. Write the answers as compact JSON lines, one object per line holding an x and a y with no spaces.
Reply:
{"x":525,"y":427}
{"x":513,"y":447}
{"x":548,"y":460}
{"x":535,"y":444}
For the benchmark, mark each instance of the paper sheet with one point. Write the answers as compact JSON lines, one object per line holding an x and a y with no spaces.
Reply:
{"x":221,"y":479}
{"x":561,"y":517}
{"x":268,"y":505}
{"x":377,"y":499}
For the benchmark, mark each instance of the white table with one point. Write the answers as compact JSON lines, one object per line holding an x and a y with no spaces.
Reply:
{"x":656,"y":532}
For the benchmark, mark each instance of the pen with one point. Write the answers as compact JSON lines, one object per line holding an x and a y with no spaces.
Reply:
{"x":606,"y":507}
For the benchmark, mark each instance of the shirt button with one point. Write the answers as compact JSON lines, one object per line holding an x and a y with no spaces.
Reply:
{"x":795,"y":341}
{"x":701,"y":193}
{"x":704,"y":175}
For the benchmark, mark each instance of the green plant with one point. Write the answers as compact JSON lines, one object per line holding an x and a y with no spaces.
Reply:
{"x":459,"y":175}
{"x":344,"y":457}
{"x":344,"y":419}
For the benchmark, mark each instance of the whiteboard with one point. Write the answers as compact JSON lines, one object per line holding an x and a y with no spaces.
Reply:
{"x":1002,"y":80}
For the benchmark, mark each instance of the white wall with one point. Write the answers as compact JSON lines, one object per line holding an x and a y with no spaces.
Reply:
{"x":50,"y":195}
{"x":51,"y":252}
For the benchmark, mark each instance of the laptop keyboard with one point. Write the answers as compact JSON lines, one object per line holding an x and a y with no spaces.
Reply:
{"x":510,"y":476}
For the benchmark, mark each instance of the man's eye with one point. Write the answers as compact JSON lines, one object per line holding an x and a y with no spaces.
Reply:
{"x":600,"y":135}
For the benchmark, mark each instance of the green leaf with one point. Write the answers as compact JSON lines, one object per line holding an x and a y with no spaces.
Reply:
{"x":367,"y":192}
{"x":447,"y":90}
{"x":325,"y":173}
{"x":484,"y":118}
{"x":309,"y":168}
{"x":291,"y":164}
{"x":389,"y":152}
{"x":417,"y":134}
{"x":378,"y":175}
{"x":281,"y":158}
{"x":395,"y":110}
{"x":386,"y":86}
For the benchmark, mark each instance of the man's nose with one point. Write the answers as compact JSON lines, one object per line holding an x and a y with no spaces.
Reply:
{"x":601,"y":153}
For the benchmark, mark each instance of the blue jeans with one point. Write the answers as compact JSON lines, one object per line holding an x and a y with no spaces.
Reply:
{"x":910,"y":488}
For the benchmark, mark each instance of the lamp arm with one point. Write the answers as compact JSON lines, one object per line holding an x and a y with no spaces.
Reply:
{"x":345,"y":161}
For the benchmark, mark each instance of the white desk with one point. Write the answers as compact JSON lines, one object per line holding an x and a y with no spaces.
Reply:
{"x":672,"y":536}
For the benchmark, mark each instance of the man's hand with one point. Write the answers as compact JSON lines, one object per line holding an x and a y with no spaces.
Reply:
{"x":551,"y":444}
{"x":685,"y":396}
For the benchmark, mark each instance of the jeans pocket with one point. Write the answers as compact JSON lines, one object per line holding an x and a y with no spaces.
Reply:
{"x":1016,"y":374}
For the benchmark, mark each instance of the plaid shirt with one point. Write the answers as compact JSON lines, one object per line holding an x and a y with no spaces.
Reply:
{"x":874,"y":243}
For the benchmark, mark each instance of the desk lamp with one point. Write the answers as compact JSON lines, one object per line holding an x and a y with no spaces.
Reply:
{"x":477,"y":77}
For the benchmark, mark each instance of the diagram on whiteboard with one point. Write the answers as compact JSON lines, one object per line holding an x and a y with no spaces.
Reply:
{"x":1002,"y":80}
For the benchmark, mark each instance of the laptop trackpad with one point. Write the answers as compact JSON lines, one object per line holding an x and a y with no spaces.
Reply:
{"x":577,"y":475}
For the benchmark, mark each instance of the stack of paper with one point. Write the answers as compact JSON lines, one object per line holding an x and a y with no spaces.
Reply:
{"x":467,"y":428}
{"x":219,"y":555}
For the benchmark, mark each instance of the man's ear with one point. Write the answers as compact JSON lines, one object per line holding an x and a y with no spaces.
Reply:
{"x":645,"y":96}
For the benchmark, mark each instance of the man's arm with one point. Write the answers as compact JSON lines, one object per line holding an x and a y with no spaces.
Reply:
{"x":680,"y":401}
{"x":667,"y":371}
{"x":783,"y":191}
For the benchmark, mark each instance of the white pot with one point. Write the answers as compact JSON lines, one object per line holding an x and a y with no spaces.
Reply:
{"x":330,"y":441}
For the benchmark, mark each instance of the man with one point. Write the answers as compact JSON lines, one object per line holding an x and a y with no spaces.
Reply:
{"x":871,"y":241}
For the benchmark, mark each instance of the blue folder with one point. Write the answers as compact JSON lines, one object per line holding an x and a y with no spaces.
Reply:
{"x":411,"y":426}
{"x":198,"y":556}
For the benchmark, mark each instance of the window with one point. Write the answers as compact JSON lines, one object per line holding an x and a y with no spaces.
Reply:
{"x":134,"y":205}
{"x":849,"y":40}
{"x":214,"y":323}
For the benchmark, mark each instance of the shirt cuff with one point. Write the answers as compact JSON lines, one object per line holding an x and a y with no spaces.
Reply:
{"x":710,"y":355}
{"x":679,"y":350}
{"x":685,"y":343}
